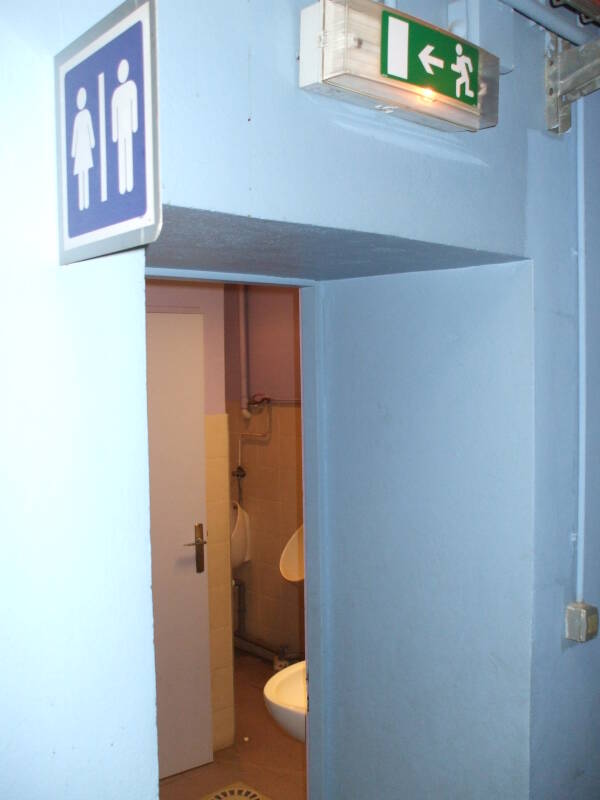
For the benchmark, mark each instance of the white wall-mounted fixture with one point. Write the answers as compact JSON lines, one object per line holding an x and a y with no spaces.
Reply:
{"x":240,"y":538}
{"x":291,"y":563}
{"x":286,"y":698}
{"x":367,"y":53}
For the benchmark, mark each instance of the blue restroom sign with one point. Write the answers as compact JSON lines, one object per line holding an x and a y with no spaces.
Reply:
{"x":108,"y":135}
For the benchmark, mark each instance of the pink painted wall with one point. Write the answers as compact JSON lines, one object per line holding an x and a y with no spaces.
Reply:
{"x":198,"y":298}
{"x":273,"y":342}
{"x":232,"y":344}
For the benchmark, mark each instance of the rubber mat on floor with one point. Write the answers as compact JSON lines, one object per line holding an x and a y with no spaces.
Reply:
{"x":239,"y":790}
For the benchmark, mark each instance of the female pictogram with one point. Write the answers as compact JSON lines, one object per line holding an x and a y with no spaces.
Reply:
{"x":81,"y":149}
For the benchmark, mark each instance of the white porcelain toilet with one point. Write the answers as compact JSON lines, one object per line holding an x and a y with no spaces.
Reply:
{"x":286,"y":699}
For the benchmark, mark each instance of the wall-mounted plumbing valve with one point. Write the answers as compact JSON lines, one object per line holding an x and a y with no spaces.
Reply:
{"x":239,"y":473}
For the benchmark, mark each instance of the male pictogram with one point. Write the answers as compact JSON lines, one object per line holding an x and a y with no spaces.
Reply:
{"x":124,"y":114}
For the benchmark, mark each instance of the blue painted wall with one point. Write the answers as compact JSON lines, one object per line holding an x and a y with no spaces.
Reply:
{"x":238,"y":136}
{"x":565,"y":697}
{"x":283,"y":154}
{"x":76,"y":661}
{"x":429,"y":547}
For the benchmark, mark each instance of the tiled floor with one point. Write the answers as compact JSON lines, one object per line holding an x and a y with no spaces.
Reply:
{"x":270,"y":761}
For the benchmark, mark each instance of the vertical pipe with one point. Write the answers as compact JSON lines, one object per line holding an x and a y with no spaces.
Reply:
{"x":582,"y":337}
{"x":242,"y":304}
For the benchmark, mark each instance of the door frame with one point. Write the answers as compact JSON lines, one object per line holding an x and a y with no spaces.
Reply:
{"x":313,"y":416}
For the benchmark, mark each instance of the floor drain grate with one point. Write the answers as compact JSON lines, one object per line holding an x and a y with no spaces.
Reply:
{"x":239,"y":790}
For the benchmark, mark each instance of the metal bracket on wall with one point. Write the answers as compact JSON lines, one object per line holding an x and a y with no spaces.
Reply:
{"x":571,"y":73}
{"x":587,"y":9}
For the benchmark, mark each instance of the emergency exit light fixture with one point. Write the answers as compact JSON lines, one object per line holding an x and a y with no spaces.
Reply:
{"x":363,"y":52}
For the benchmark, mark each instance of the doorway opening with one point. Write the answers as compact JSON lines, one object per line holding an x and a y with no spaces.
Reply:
{"x":251,"y":506}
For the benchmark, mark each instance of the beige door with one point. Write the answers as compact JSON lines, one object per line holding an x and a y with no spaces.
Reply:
{"x":177,"y":504}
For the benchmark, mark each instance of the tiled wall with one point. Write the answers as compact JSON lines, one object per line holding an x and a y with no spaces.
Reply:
{"x":218,"y":504}
{"x":272,"y":496}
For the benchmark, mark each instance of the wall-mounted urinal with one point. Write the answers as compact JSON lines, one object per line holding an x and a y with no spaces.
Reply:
{"x":240,"y":537}
{"x":291,"y":563}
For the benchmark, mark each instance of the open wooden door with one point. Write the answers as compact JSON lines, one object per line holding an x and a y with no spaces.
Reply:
{"x":177,"y":506}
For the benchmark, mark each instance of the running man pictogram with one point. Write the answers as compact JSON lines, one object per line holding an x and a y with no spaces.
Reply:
{"x":463,"y":66}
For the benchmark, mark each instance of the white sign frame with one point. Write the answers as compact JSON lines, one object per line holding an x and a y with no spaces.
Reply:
{"x":135,"y":231}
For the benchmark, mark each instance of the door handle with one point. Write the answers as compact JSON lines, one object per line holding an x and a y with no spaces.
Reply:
{"x":199,"y":543}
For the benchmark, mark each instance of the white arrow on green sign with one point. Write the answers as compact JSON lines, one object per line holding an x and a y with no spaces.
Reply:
{"x":415,"y":53}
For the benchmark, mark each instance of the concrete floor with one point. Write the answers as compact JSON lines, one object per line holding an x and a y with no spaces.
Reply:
{"x":271,"y":762}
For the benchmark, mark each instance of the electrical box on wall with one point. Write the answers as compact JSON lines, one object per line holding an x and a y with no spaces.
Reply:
{"x":363,"y":52}
{"x":581,"y":622}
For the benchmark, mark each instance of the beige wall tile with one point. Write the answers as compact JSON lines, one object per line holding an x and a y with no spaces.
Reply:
{"x":220,"y":607}
{"x":218,"y":521}
{"x":236,"y":423}
{"x":221,"y":647}
{"x":272,"y":495}
{"x":223,"y":728}
{"x":270,"y":611}
{"x":289,"y":419}
{"x":270,"y":581}
{"x":222,"y":687}
{"x":291,"y":519}
{"x":262,"y":483}
{"x":216,"y":436}
{"x":268,"y":549}
{"x":217,"y":479}
{"x":292,"y":594}
{"x":290,"y":452}
{"x":219,"y":570}
{"x":265,"y":454}
{"x":268,"y":513}
{"x":265,"y":523}
{"x":288,"y":486}
{"x":252,"y":621}
{"x":218,"y":506}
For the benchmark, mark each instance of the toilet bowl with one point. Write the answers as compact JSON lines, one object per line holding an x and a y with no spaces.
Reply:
{"x":285,"y":697}
{"x":240,"y":537}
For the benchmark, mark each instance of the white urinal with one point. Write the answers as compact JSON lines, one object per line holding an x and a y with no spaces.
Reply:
{"x":291,"y":563}
{"x":240,"y":537}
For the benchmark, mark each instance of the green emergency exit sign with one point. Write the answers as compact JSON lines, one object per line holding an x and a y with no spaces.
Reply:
{"x":417,"y":54}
